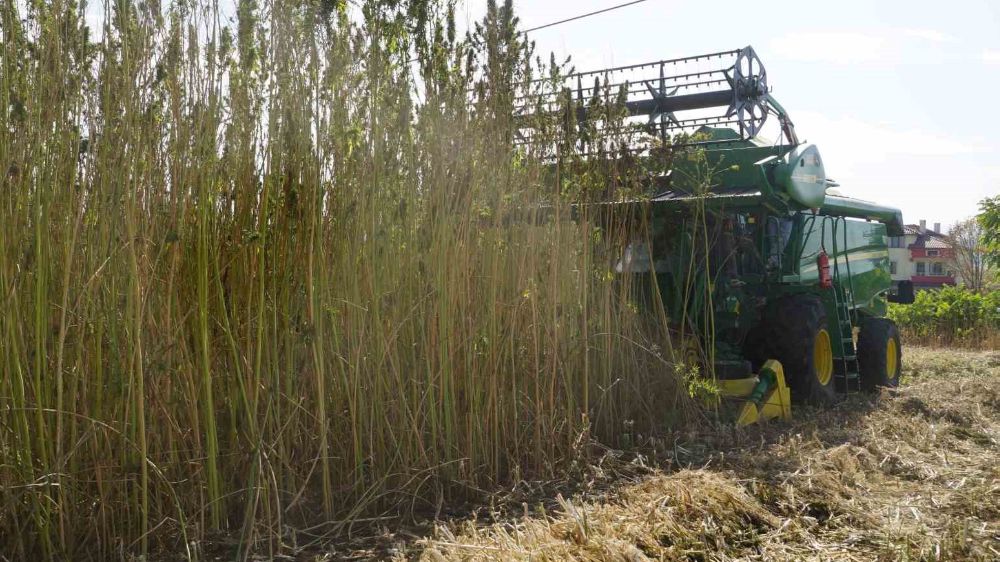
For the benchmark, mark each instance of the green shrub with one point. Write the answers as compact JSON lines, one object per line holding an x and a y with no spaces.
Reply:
{"x":950,"y":315}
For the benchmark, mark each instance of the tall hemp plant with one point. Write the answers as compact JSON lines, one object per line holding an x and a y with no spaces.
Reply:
{"x":285,"y":266}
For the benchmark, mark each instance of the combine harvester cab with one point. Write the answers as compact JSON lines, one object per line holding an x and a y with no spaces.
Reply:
{"x":775,"y":286}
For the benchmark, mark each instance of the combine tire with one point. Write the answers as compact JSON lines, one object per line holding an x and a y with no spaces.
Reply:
{"x":800,"y":338}
{"x":880,"y":356}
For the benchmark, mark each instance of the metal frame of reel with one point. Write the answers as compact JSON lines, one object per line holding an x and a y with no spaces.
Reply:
{"x":745,"y":97}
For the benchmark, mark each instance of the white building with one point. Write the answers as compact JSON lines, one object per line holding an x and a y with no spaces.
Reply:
{"x":923,"y":256}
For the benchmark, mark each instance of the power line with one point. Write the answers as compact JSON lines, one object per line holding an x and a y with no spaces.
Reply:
{"x":581,"y":16}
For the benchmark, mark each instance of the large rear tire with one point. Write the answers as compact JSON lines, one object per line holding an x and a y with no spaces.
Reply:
{"x":880,"y":354}
{"x":799,"y":337}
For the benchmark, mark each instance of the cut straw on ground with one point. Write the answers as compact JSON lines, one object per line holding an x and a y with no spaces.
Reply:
{"x":909,"y":475}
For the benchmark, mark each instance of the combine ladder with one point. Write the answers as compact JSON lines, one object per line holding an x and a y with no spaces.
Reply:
{"x":847,"y":375}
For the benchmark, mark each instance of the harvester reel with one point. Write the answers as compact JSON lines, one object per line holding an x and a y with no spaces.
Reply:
{"x":749,"y":83}
{"x":726,"y":89}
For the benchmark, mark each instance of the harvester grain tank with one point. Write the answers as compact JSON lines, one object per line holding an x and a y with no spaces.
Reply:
{"x":791,"y":290}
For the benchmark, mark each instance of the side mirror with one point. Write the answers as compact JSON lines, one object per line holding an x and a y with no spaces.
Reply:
{"x":903,"y":294}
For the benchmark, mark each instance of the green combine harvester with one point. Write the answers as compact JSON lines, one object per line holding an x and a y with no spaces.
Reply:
{"x":774,"y":284}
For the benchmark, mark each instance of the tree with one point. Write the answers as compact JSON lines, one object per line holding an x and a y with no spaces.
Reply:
{"x":969,"y":259}
{"x":989,"y":220}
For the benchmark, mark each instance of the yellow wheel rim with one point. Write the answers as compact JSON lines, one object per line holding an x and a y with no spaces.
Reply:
{"x":823,"y":357}
{"x":891,"y":358}
{"x":691,"y":354}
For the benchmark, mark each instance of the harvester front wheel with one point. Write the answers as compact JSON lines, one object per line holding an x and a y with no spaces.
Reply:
{"x":801,"y":339}
{"x":880,"y":355}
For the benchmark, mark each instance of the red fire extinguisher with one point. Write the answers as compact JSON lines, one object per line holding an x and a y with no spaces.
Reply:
{"x":823,"y":264}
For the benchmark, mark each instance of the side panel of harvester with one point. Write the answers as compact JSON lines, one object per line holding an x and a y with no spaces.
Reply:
{"x":859,"y":259}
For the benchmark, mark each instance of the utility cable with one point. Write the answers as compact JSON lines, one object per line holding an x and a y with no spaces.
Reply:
{"x":581,"y":16}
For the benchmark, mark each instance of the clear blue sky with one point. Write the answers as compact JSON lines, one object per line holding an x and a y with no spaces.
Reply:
{"x":900,"y":96}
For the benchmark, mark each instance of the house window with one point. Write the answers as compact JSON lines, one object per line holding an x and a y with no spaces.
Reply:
{"x":937,"y":269}
{"x":932,"y":253}
{"x":921,"y":268}
{"x":892,"y":268}
{"x":896,"y":242}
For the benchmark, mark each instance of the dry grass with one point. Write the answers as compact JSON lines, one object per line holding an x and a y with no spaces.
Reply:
{"x":983,"y":340}
{"x":909,"y":475}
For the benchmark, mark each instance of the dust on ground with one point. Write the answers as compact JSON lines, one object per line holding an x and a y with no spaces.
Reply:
{"x":911,"y":474}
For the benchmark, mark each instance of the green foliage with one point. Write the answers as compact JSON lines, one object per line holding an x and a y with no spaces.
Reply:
{"x":989,"y":218}
{"x":949,"y":314}
{"x":702,"y":389}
